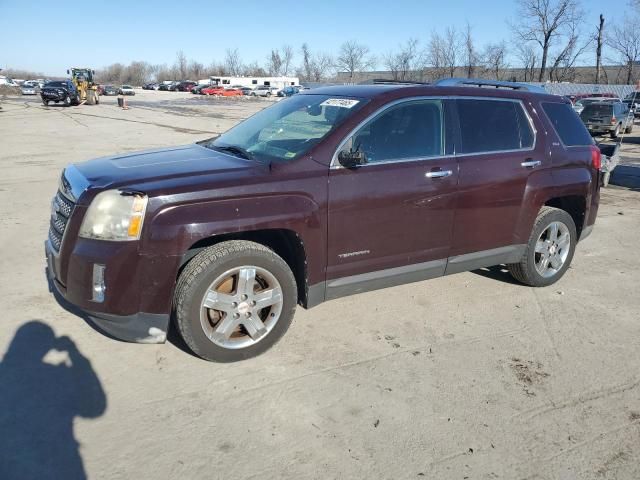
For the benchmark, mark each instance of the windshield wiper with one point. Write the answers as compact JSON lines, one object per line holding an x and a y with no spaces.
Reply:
{"x":234,"y":150}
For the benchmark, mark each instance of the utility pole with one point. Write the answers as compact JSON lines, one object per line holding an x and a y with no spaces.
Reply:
{"x":599,"y":49}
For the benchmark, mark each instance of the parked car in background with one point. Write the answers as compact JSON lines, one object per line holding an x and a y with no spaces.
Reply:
{"x":221,"y":91}
{"x":607,"y":117}
{"x":288,"y":91}
{"x":580,"y":104}
{"x":127,"y":90}
{"x":633,"y":102}
{"x":246,"y":90}
{"x":28,"y":89}
{"x":150,"y":86}
{"x":166,"y":85}
{"x":264,"y":91}
{"x":109,"y":90}
{"x":225,"y":237}
{"x":60,"y":91}
{"x":197,"y":89}
{"x":185,"y":86}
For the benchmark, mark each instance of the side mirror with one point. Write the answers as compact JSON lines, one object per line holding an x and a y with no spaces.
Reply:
{"x":351,"y":158}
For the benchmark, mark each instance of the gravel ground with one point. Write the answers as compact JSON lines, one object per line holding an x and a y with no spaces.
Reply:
{"x":468,"y":376}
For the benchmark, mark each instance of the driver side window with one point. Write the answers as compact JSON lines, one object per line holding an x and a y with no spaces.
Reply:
{"x":410,"y":130}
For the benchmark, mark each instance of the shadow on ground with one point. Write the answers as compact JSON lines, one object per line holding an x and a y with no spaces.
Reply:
{"x":39,"y":401}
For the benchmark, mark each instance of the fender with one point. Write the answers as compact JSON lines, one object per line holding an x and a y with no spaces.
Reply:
{"x":175,"y":229}
{"x":546,"y":184}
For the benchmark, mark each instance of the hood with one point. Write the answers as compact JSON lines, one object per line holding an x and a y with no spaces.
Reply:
{"x":161,"y":167}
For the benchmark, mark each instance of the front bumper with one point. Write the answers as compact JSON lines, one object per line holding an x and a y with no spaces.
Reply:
{"x":131,"y":310}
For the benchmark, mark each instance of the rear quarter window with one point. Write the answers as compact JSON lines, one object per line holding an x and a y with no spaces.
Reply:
{"x":567,"y":124}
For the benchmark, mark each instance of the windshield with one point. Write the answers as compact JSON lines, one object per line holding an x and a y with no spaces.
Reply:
{"x":287,"y":129}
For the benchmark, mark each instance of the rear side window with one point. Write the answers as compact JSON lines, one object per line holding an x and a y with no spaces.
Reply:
{"x":493,"y":125}
{"x":567,"y":124}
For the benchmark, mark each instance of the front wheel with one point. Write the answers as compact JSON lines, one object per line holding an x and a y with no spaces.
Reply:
{"x":234,"y":301}
{"x":45,"y":103}
{"x":549,"y":251}
{"x":67,"y":101}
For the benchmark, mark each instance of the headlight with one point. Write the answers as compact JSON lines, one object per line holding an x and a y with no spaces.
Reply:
{"x":114,"y":216}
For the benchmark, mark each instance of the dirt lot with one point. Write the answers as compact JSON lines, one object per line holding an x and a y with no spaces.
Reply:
{"x":467,"y":376}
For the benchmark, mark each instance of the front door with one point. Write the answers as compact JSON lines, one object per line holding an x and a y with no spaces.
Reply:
{"x":390,"y":220}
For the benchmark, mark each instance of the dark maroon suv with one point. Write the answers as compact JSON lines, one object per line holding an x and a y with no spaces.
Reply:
{"x":328,"y":193}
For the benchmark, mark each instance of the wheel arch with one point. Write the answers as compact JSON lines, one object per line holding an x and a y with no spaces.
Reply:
{"x":284,"y":242}
{"x":574,"y":205}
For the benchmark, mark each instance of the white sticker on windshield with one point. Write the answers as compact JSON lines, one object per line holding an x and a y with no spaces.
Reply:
{"x":340,"y":102}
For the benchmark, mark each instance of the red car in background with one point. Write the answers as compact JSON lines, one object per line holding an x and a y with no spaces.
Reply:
{"x":221,"y":91}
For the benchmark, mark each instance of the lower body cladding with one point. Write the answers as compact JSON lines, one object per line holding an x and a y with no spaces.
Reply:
{"x":126,"y":294}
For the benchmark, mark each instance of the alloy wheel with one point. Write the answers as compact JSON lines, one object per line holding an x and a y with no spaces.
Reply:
{"x":241,"y":307}
{"x":552,"y":249}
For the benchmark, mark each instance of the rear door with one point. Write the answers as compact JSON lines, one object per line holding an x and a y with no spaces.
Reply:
{"x":497,"y":152}
{"x":390,"y":220}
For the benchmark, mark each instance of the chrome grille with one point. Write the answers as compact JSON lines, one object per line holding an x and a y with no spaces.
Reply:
{"x":61,"y":209}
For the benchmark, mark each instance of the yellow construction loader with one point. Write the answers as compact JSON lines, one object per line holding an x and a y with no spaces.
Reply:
{"x":87,"y":89}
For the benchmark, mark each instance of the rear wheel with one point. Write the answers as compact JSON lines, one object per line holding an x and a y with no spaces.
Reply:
{"x":549,"y":251}
{"x":616,"y":132}
{"x":67,"y":101}
{"x":629,"y":128}
{"x":234,"y":301}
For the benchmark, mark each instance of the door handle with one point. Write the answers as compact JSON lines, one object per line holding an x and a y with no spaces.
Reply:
{"x":531,"y":163}
{"x":438,"y":174}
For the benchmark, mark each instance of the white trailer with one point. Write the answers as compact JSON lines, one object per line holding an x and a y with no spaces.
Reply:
{"x":253,"y":82}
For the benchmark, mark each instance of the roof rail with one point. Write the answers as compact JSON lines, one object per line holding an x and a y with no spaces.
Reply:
{"x":384,"y":81}
{"x":477,"y":82}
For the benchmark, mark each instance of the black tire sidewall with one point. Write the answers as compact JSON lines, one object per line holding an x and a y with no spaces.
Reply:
{"x":550,"y":217}
{"x":196,"y":338}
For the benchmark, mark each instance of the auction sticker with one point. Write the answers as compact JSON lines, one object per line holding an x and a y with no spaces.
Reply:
{"x":340,"y":102}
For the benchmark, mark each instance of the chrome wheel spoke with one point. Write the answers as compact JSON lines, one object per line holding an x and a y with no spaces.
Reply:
{"x":219,"y":301}
{"x":564,"y":240}
{"x":254,"y":326}
{"x":246,"y":281}
{"x":267,"y":298}
{"x":541,"y":246}
{"x":544,"y":263}
{"x":225,"y":327}
{"x":556,"y":261}
{"x":552,"y":232}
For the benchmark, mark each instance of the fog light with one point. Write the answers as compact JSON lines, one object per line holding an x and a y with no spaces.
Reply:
{"x":98,"y":286}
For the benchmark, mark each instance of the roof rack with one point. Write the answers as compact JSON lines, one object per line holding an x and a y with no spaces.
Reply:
{"x":384,"y":81}
{"x":476,"y":82}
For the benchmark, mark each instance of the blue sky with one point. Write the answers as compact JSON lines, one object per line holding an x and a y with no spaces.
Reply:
{"x":122,"y":31}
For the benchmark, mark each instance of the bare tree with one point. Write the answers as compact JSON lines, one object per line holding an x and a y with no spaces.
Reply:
{"x":354,"y":57}
{"x":451,"y":50}
{"x":494,"y":59}
{"x":599,"y":41}
{"x":254,"y":70}
{"x":625,"y":41}
{"x":287,"y":59}
{"x":542,"y":21}
{"x":182,"y":65}
{"x":562,"y":64}
{"x":528,"y":60}
{"x":274,"y":63}
{"x":321,"y":66}
{"x":306,"y":62}
{"x":435,"y":56}
{"x":404,"y":63}
{"x":470,"y":53}
{"x":232,"y":62}
{"x":196,"y":70}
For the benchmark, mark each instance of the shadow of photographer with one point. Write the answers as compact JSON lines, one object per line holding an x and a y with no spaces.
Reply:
{"x":39,"y":402}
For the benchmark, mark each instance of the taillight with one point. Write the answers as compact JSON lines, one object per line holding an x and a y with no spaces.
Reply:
{"x":596,"y":157}
{"x":613,"y":120}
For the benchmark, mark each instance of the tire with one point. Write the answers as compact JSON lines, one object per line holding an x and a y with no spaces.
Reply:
{"x":268,"y":94}
{"x":527,"y":270}
{"x":67,"y":101}
{"x":616,"y":132}
{"x":209,"y":273}
{"x":629,"y":128}
{"x":45,"y":103}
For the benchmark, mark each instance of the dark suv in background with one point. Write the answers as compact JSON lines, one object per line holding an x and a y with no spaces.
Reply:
{"x":608,"y":117}
{"x":328,"y":193}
